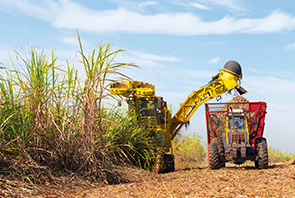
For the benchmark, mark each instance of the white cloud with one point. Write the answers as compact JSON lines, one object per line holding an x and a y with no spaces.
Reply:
{"x":291,"y":46}
{"x":70,"y":15}
{"x":147,"y":3}
{"x":270,"y":88}
{"x":214,"y":60}
{"x":155,"y":57}
{"x":281,"y":74}
{"x":275,"y":22}
{"x":39,"y":9}
{"x":145,"y":59}
{"x":200,"y":6}
{"x":232,"y":5}
{"x":71,"y":40}
{"x":174,"y":24}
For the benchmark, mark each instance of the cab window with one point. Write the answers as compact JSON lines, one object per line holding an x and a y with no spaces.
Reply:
{"x":239,"y":123}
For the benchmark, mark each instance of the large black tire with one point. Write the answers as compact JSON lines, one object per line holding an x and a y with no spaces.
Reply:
{"x":169,"y":163}
{"x":262,"y":153}
{"x":213,"y":156}
{"x":219,"y":142}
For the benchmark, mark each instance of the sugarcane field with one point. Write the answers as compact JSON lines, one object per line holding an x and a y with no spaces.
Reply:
{"x":149,"y":98}
{"x":140,"y":152}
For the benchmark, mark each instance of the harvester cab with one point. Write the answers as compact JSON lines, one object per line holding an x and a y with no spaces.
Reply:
{"x":147,"y":111}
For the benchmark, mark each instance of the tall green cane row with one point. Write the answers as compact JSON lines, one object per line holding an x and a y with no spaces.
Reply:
{"x":53,"y":121}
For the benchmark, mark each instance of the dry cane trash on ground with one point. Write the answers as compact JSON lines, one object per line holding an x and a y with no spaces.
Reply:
{"x":232,"y":181}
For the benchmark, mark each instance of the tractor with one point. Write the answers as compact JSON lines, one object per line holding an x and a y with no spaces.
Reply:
{"x":235,"y":133}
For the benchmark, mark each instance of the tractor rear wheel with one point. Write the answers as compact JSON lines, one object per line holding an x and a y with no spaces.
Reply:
{"x":219,"y":142}
{"x":262,"y":155}
{"x":213,"y":156}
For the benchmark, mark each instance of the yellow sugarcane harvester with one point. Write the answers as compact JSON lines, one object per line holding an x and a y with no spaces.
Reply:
{"x":155,"y":112}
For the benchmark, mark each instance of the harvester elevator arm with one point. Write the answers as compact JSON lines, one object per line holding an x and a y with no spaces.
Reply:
{"x":228,"y":78}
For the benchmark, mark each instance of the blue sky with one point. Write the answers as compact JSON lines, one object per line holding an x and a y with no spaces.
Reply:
{"x":178,"y":44}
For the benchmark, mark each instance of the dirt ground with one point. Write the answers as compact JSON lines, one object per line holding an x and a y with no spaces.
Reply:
{"x":232,"y":181}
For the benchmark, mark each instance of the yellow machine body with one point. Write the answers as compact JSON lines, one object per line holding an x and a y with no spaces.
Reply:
{"x":154,"y":111}
{"x":225,"y":82}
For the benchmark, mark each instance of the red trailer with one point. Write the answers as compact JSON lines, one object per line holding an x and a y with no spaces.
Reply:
{"x":235,"y":133}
